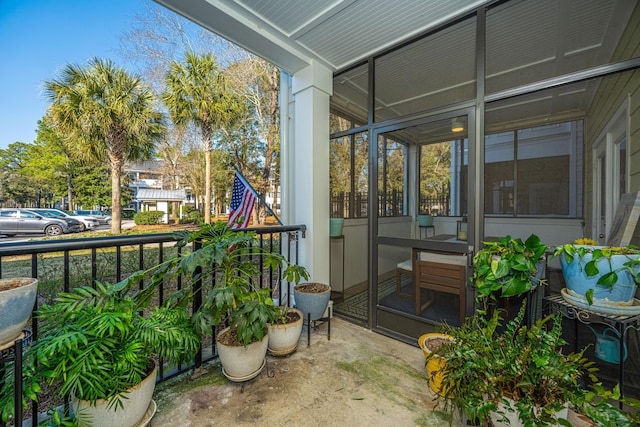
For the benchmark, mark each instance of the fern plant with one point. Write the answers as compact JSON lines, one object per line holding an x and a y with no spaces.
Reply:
{"x":525,"y":364}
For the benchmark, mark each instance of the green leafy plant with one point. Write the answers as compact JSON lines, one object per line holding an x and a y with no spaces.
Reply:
{"x":148,"y":217}
{"x":508,"y":266}
{"x":523,"y":363}
{"x":597,"y":405}
{"x":234,"y":261}
{"x":572,"y":251}
{"x":96,"y":343}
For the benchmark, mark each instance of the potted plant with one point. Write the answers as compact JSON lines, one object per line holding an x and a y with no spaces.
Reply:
{"x":17,"y":297}
{"x":429,"y":344}
{"x":599,"y":275}
{"x":312,"y":299}
{"x":100,"y":347}
{"x":509,"y":267}
{"x":233,"y":260}
{"x":521,"y":371}
{"x":284,"y":331}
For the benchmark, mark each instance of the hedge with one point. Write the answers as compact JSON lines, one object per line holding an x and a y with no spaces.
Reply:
{"x":148,"y":217}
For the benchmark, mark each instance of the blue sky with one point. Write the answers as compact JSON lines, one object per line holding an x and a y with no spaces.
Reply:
{"x":38,"y":38}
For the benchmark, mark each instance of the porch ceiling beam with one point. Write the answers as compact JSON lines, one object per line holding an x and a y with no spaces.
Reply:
{"x":232,"y":22}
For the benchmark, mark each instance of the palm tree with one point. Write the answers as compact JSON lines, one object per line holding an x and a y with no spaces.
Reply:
{"x":196,"y":94}
{"x":107,"y":114}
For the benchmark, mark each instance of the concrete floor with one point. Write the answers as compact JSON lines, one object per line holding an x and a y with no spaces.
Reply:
{"x":359,"y":378}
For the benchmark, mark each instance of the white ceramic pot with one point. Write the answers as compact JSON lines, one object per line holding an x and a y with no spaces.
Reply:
{"x":17,"y":297}
{"x":511,"y":413}
{"x":136,"y":404}
{"x":242,"y":363}
{"x":283,"y":338}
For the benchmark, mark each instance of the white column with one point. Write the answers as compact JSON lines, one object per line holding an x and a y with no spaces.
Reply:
{"x":306,"y":156}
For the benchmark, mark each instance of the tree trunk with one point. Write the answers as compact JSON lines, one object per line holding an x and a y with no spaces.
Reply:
{"x":207,"y":177}
{"x":116,"y":211}
{"x":69,"y":192}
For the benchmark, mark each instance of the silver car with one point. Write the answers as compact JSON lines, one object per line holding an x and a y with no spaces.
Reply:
{"x":88,"y":223}
{"x":101,"y":216}
{"x":21,"y":221}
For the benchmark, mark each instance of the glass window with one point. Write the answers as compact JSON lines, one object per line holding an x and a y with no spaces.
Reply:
{"x":348,"y":176}
{"x":524,"y":167}
{"x":499,"y":179}
{"x":392,"y":155}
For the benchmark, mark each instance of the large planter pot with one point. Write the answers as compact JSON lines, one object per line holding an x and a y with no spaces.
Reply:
{"x":335,"y":227}
{"x":429,"y":343}
{"x":137,"y":407}
{"x":242,"y":363}
{"x":312,"y":298}
{"x":17,"y":297}
{"x":283,"y":338}
{"x":510,"y":412}
{"x":578,"y":282}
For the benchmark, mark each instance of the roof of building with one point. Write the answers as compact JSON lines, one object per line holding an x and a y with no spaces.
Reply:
{"x":155,"y":194}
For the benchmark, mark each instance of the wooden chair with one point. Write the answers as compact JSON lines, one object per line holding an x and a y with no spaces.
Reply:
{"x":406,"y":268}
{"x":440,"y":273}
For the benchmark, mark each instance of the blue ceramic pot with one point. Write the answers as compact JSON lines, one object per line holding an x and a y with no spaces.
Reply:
{"x":577,"y":280}
{"x":311,"y":302}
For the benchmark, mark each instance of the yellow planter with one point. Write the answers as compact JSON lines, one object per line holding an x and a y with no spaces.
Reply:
{"x":436,"y":363}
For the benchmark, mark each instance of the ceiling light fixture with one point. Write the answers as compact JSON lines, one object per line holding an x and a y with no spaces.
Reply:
{"x":456,"y":125}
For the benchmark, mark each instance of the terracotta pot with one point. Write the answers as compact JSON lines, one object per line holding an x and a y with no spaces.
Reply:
{"x":17,"y":298}
{"x":283,"y":338}
{"x":136,"y":405}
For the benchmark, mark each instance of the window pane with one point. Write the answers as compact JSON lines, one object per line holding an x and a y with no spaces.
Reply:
{"x":498,"y":173}
{"x":391,"y":176}
{"x":544,"y":165}
{"x":349,"y":174}
{"x":435,"y":179}
{"x":361,"y":175}
{"x":340,"y":175}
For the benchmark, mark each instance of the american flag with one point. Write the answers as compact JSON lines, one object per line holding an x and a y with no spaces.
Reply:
{"x":242,"y":200}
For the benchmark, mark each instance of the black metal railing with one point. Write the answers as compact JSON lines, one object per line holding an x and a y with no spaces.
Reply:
{"x":61,"y":265}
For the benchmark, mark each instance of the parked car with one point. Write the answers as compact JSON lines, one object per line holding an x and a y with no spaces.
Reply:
{"x":88,"y":223}
{"x":75,"y":225}
{"x":22,"y":221}
{"x":102,"y":216}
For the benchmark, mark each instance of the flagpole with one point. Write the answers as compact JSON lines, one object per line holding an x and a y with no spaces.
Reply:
{"x":257,"y":195}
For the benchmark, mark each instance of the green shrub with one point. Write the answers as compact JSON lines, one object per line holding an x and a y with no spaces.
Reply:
{"x":190,"y":215}
{"x":148,"y":217}
{"x":127,"y":213}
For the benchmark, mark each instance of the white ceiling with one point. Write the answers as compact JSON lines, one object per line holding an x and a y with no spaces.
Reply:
{"x":337,"y":33}
{"x":527,"y":41}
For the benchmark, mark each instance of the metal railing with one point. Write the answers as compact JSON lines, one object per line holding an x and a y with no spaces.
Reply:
{"x":61,"y":265}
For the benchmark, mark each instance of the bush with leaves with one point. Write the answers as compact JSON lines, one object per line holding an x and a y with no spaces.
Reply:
{"x":96,"y":343}
{"x":523,"y":363}
{"x":148,"y":217}
{"x":507,"y":267}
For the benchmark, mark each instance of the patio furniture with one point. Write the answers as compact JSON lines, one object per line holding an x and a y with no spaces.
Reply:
{"x":441,"y":273}
{"x":406,"y":268}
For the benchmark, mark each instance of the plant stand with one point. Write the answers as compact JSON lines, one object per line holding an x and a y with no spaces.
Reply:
{"x":621,"y":324}
{"x":312,"y":324}
{"x":12,"y":352}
